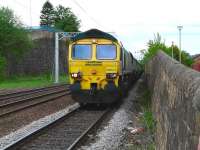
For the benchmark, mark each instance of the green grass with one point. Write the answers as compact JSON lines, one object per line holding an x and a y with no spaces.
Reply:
{"x":151,"y":146}
{"x":30,"y":81}
{"x":148,"y":120}
{"x":147,"y":117}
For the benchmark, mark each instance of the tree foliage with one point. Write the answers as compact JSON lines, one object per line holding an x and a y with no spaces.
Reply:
{"x":47,"y":17}
{"x":14,"y":39}
{"x":66,"y":20}
{"x":155,"y":45}
{"x":61,"y":18}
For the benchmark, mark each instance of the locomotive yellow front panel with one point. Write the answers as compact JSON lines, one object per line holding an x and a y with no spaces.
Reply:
{"x":94,"y":62}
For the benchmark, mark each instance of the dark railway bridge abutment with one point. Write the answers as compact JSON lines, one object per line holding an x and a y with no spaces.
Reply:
{"x":175,"y":103}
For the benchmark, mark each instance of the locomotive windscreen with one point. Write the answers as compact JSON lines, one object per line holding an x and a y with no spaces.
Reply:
{"x":106,"y":51}
{"x":81,"y":51}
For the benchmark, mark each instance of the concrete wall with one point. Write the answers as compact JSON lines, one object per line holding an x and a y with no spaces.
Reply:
{"x":176,"y":103}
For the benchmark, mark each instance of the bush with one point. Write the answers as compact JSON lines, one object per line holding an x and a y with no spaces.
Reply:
{"x":14,"y":39}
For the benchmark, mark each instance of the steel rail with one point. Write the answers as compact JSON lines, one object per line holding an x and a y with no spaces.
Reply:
{"x":33,"y":97}
{"x":20,"y":140}
{"x":5,"y":113}
{"x":78,"y":140}
{"x":54,"y":123}
{"x":27,"y":92}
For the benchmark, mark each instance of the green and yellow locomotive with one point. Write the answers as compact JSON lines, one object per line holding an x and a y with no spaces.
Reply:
{"x":100,"y":68}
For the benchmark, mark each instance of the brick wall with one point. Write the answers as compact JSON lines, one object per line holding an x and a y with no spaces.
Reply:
{"x":196,"y":64}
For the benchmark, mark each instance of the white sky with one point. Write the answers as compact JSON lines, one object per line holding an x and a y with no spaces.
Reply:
{"x":134,"y":22}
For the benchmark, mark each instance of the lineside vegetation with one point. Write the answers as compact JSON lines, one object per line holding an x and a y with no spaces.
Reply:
{"x":158,"y":44}
{"x":14,"y":39}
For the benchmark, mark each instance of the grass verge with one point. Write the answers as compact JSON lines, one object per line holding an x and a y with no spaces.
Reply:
{"x":30,"y":81}
{"x":147,"y":117}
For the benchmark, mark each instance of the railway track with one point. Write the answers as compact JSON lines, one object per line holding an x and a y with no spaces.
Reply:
{"x":17,"y":101}
{"x":64,"y":133}
{"x":8,"y":95}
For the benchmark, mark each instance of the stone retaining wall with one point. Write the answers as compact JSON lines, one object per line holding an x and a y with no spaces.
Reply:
{"x":39,"y":59}
{"x":176,"y":103}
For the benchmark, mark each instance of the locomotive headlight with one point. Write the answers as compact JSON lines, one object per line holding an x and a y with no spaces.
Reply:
{"x":111,"y":75}
{"x":76,"y":75}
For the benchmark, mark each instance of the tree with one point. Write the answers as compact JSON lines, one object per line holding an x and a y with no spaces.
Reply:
{"x":14,"y":39}
{"x":47,"y":15}
{"x":186,"y":59}
{"x":61,"y":18}
{"x":66,"y":20}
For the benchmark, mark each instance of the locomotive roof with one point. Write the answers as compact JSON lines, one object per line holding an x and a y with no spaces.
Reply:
{"x":93,"y":33}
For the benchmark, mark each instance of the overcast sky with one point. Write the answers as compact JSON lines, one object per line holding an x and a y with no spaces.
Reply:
{"x":134,"y":22}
